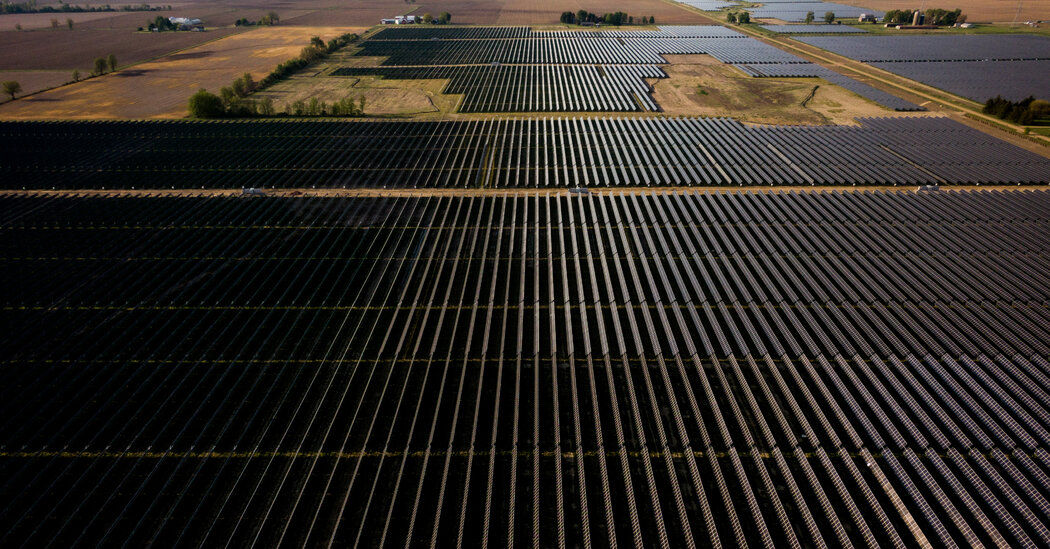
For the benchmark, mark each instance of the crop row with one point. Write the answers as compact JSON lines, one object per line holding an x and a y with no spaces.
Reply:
{"x":555,"y":152}
{"x":535,"y":88}
{"x":674,"y":369}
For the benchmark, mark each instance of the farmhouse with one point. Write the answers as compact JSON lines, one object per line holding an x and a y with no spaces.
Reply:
{"x":186,"y":23}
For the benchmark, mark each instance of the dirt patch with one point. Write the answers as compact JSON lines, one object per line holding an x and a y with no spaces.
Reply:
{"x":721,"y":90}
{"x":702,"y":85}
{"x":161,"y":88}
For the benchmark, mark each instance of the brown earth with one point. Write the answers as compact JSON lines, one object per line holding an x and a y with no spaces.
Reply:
{"x":701,"y":85}
{"x":161,"y":88}
{"x":30,"y":21}
{"x":34,"y":81}
{"x":976,"y":10}
{"x":77,"y":49}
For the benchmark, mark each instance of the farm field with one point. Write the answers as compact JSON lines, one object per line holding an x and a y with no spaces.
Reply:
{"x":517,"y":153}
{"x":161,"y":88}
{"x":34,"y":81}
{"x":696,"y":368}
{"x":77,"y":49}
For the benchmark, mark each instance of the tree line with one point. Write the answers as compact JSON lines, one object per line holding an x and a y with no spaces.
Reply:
{"x":102,"y":65}
{"x":31,"y":7}
{"x":443,"y":18}
{"x":934,"y":16}
{"x":1024,"y":112}
{"x":741,"y":18}
{"x":267,"y":20}
{"x":616,"y":18}
{"x":233,"y":100}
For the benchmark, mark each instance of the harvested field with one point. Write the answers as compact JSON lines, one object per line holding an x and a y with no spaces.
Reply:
{"x":161,"y":88}
{"x":355,"y":13}
{"x":32,"y":21}
{"x":67,"y":50}
{"x":976,"y":10}
{"x":34,"y":81}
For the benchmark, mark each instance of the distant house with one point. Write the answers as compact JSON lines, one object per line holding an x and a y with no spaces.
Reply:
{"x":867,"y":18}
{"x":186,"y":23}
{"x":401,"y":20}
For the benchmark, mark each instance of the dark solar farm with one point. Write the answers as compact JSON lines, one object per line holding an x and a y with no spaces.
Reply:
{"x":547,"y":330}
{"x":977,"y":67}
{"x":642,"y":369}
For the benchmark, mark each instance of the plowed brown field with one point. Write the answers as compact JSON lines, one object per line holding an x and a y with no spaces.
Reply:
{"x":161,"y":88}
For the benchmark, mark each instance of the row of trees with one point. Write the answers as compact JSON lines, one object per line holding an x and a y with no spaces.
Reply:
{"x":616,"y":18}
{"x":267,"y":20}
{"x":233,"y":100}
{"x":204,"y":104}
{"x":443,"y":18}
{"x":316,"y":107}
{"x":742,"y":17}
{"x":829,"y":17}
{"x":1023,"y":112}
{"x":102,"y":66}
{"x":31,"y":7}
{"x":934,"y":16}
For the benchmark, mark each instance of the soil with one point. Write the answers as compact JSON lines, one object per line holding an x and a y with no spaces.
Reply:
{"x":161,"y":88}
{"x":34,"y":81}
{"x":78,"y":49}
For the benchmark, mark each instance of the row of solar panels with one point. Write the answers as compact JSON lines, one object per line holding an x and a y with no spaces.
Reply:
{"x":554,"y":152}
{"x":525,"y":368}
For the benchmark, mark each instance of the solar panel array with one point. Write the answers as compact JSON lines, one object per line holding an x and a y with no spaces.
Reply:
{"x":962,"y":47}
{"x":980,"y":80}
{"x":814,"y":29}
{"x":978,"y":67}
{"x":791,"y":10}
{"x":564,"y":71}
{"x":636,"y":369}
{"x":518,"y":153}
